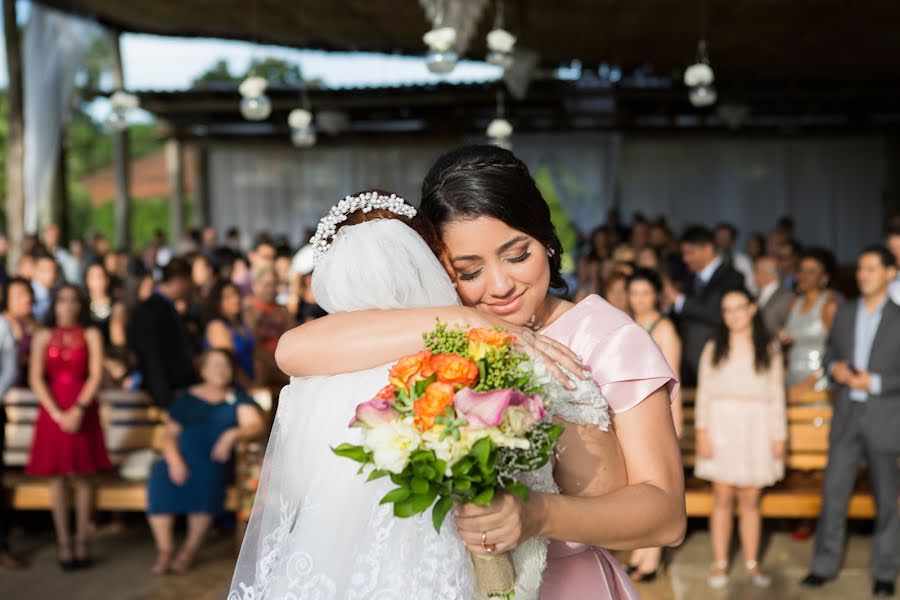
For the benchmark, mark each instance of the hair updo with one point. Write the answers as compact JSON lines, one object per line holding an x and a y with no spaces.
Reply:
{"x":489,"y":181}
{"x":421,"y":226}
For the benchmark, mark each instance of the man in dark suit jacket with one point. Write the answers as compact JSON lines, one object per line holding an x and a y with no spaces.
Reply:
{"x":698,"y":307}
{"x":774,"y":300}
{"x":863,"y":358}
{"x":157,"y":334}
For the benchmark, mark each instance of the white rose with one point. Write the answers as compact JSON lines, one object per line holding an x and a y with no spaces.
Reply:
{"x":392,"y":444}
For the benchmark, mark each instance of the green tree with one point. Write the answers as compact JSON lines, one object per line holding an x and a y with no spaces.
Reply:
{"x":278,"y":72}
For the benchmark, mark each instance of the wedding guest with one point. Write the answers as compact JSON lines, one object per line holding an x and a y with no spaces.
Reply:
{"x":233,"y":240}
{"x":263,"y":255}
{"x":159,"y":338}
{"x":787,"y":253}
{"x":283,"y":263}
{"x":892,"y":241}
{"x":648,"y":258}
{"x":65,"y":371}
{"x":241,"y":276}
{"x":726,"y":236}
{"x":863,"y":359}
{"x":226,"y":329}
{"x":810,"y":318}
{"x":699,"y":307}
{"x":774,"y":300}
{"x":67,"y":263}
{"x":741,"y":429}
{"x":644,"y":292}
{"x":756,"y":245}
{"x":591,"y":281}
{"x":202,"y":427}
{"x":204,"y":275}
{"x":9,"y":372}
{"x":267,"y":320}
{"x":614,"y":291}
{"x":307,"y":308}
{"x":18,"y":313}
{"x":46,"y":278}
{"x":107,"y":314}
{"x":640,"y":232}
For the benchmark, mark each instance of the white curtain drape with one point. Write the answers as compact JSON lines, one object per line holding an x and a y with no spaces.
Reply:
{"x":833,"y":186}
{"x":53,"y":50}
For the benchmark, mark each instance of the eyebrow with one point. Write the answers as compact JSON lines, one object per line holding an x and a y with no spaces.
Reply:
{"x":500,"y":250}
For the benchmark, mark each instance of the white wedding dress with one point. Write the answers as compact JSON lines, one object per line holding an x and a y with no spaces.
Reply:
{"x":316,"y":530}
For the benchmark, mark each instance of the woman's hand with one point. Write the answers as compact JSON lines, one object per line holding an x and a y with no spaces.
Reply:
{"x":500,"y":527}
{"x":554,"y":355}
{"x":221,"y":451}
{"x":704,"y":445}
{"x":70,"y":419}
{"x":778,"y":449}
{"x":784,"y":337}
{"x":178,"y":471}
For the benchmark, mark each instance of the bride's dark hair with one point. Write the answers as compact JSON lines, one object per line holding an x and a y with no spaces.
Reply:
{"x":488,"y":181}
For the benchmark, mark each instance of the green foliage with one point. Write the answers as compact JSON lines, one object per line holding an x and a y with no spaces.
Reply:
{"x":278,"y":72}
{"x":568,"y":237}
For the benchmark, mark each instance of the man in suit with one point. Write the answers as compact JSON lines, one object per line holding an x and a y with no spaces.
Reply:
{"x":774,"y":300}
{"x":726,"y":236}
{"x":158,"y":336}
{"x":863,"y":358}
{"x":698,"y":307}
{"x":892,"y":241}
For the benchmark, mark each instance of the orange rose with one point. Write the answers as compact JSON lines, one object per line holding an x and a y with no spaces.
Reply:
{"x":481,"y":341}
{"x":436,"y":399}
{"x":411,"y":369}
{"x":454,"y":369}
{"x":386,"y":393}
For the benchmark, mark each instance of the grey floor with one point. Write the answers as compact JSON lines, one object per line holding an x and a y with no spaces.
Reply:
{"x":124,"y":557}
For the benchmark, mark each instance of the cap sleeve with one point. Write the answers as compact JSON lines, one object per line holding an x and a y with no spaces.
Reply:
{"x":629,"y":366}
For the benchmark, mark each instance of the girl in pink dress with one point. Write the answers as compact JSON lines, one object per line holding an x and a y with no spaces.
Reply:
{"x":65,"y":370}
{"x":497,"y":242}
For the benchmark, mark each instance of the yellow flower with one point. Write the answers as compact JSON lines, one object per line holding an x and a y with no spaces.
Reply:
{"x":483,"y":341}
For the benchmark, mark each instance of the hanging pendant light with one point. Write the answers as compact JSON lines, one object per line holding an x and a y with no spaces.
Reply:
{"x":303,"y":133}
{"x":500,"y":42}
{"x":255,"y":105}
{"x":121,"y":103}
{"x":441,"y":57}
{"x":702,"y":96}
{"x":499,"y":130}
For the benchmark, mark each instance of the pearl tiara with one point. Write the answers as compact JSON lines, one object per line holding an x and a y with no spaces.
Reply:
{"x":367,"y":202}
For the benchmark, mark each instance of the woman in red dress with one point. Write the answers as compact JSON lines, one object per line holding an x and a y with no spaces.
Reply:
{"x":65,"y":370}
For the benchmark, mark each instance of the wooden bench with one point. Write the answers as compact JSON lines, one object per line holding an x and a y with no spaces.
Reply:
{"x":799,"y":494}
{"x":130,"y":423}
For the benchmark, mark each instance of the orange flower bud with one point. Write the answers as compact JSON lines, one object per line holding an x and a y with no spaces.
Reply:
{"x":436,"y":399}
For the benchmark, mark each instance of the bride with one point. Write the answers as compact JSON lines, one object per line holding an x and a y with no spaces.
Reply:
{"x":316,"y":529}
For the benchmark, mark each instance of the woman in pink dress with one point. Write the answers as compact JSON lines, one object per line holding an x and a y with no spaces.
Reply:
{"x":65,"y":370}
{"x":499,"y":246}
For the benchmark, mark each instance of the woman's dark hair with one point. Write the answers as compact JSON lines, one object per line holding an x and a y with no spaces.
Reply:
{"x":228,"y":354}
{"x":102,"y":267}
{"x":489,"y":181}
{"x":824,"y":257}
{"x":4,"y":302}
{"x":762,"y":359}
{"x":212,"y":309}
{"x":648,"y":275}
{"x":83,"y":319}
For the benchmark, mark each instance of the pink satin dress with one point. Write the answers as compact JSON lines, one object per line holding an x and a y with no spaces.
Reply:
{"x":628,"y":366}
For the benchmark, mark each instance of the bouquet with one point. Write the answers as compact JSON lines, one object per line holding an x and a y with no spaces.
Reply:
{"x":458,"y":423}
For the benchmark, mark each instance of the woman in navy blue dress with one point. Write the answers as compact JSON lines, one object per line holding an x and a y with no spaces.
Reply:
{"x":202,"y":427}
{"x":225,"y":328}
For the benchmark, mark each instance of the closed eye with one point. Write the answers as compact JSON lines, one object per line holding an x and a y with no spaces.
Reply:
{"x":470,"y":276}
{"x":521,"y":258}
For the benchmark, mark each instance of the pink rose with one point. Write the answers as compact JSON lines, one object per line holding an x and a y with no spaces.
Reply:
{"x":374,"y":412}
{"x":485,"y":409}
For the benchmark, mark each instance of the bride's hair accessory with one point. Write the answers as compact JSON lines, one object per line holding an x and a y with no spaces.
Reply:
{"x":366,"y":202}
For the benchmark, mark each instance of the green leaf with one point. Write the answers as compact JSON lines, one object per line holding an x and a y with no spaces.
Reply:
{"x":420,"y":456}
{"x":463,"y":466}
{"x":421,"y":502}
{"x":357,"y":453}
{"x":377,"y":474}
{"x":484,"y":498}
{"x":481,"y":451}
{"x":439,"y":512}
{"x":404,"y":509}
{"x":519,"y":491}
{"x":462,"y":485}
{"x":398,"y":495}
{"x":418,"y":486}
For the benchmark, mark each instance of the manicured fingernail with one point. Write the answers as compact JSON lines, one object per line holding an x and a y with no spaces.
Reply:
{"x":570,"y":384}
{"x":587,"y":373}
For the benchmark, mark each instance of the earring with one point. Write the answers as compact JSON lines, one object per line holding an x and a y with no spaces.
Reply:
{"x":551,"y":252}
{"x":455,"y":285}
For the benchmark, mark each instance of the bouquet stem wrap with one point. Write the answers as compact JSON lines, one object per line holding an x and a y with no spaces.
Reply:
{"x":495,"y":574}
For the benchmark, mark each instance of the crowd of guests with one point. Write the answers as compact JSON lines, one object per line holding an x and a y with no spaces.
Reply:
{"x":750,"y":330}
{"x":197,"y":328}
